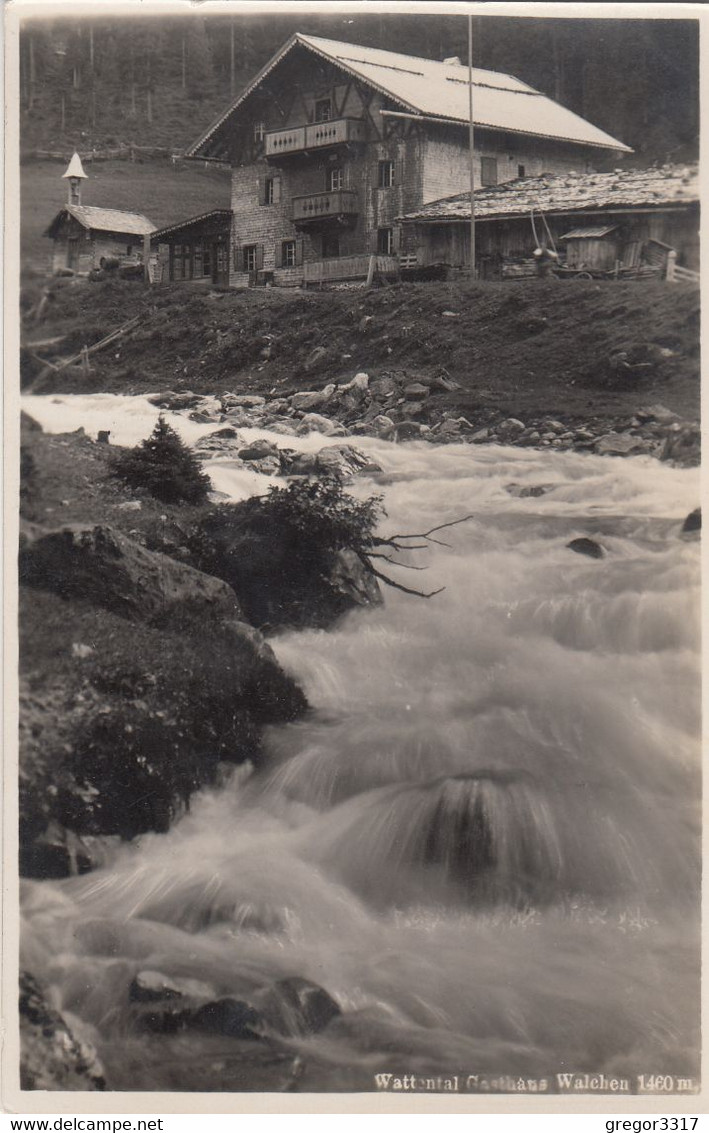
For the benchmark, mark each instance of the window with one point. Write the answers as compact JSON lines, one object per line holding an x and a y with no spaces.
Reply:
{"x":488,"y":170}
{"x":386,"y":174}
{"x":270,"y":190}
{"x":521,"y":171}
{"x":323,"y":110}
{"x":288,"y":254}
{"x":330,"y":246}
{"x":129,"y":249}
{"x":248,"y":257}
{"x":259,"y":131}
{"x":207,"y":260}
{"x":385,"y":241}
{"x":335,"y":179}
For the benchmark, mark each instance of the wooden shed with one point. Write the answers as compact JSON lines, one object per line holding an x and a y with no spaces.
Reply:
{"x":195,"y":250}
{"x":592,"y":248}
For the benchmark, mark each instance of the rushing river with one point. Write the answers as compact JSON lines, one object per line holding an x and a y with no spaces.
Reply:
{"x":483,"y":841}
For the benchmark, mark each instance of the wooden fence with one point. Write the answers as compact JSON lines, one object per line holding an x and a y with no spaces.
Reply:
{"x":677,"y":274}
{"x":348,"y":267}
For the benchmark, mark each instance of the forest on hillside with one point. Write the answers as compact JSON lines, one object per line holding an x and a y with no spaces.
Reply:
{"x":159,"y":81}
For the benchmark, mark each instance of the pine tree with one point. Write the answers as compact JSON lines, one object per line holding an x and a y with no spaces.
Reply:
{"x":163,"y":466}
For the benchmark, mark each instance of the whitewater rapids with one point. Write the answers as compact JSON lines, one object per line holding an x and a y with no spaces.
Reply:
{"x":483,"y":841}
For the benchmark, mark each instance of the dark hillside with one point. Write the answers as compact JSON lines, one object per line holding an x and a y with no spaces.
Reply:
{"x":581,"y":348}
{"x":160,"y":82}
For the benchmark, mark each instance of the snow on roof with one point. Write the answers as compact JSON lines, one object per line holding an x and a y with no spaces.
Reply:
{"x":434,"y":89}
{"x":569,"y":192}
{"x":106,"y":220}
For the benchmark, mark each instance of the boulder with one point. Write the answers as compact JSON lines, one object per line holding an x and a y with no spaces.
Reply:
{"x":683,"y":445}
{"x":416,"y":391}
{"x":258,"y":449}
{"x":311,"y":399}
{"x":57,"y":852}
{"x":228,"y":1016}
{"x":343,"y":461}
{"x":267,"y":465}
{"x":657,"y":412}
{"x":351,"y":579}
{"x":302,"y":464}
{"x":585,"y":546}
{"x":480,"y":436}
{"x":278,"y":405}
{"x":102,"y":565}
{"x":151,"y":987}
{"x":295,"y":1007}
{"x":523,"y":492}
{"x":510,"y":427}
{"x":384,"y":388}
{"x":619,"y":444}
{"x":242,"y":400}
{"x":381,"y":426}
{"x":315,"y":423}
{"x":407,"y":430}
{"x":52,"y":1057}
{"x":169,"y":399}
{"x":693,"y":522}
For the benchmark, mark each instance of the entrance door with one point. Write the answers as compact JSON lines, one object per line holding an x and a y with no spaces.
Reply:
{"x":220,"y":265}
{"x":72,"y":252}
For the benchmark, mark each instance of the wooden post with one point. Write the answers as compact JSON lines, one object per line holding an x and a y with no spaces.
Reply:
{"x":671,"y":265}
{"x":232,"y":76}
{"x":146,"y":259}
{"x":85,"y":360}
{"x":471,"y":145}
{"x":370,"y":270}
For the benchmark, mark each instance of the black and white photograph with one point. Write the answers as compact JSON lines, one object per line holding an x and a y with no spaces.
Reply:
{"x":354,"y":744}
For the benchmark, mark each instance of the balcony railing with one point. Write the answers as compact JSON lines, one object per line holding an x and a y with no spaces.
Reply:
{"x":318,"y":136}
{"x":320,"y":206}
{"x":348,"y":267}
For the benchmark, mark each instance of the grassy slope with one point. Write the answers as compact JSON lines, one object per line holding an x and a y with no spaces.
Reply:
{"x":163,"y":192}
{"x":520,"y":348}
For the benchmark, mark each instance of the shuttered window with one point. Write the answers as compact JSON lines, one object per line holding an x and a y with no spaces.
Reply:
{"x":488,"y":170}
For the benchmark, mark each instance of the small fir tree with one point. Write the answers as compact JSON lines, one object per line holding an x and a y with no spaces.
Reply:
{"x":163,"y":466}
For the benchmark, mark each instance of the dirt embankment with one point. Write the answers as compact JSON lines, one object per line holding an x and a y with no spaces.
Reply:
{"x":573,"y":349}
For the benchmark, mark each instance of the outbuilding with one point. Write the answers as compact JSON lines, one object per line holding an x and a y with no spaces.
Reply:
{"x":86,"y":237}
{"x":196,"y":249}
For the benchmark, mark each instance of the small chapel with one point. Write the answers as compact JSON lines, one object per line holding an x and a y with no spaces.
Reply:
{"x":87,"y":237}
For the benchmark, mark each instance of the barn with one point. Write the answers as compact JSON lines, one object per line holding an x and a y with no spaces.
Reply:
{"x":624,"y":220}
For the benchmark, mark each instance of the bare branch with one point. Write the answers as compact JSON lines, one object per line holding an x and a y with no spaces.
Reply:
{"x":427,"y":534}
{"x":405,"y":589}
{"x":387,"y":559}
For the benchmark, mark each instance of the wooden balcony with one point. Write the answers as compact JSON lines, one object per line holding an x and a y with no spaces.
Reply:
{"x":318,"y":136}
{"x":316,"y":207}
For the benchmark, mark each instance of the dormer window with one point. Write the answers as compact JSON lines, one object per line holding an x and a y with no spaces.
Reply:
{"x":323,"y":110}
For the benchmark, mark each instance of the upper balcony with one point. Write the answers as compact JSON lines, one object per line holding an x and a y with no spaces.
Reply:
{"x":318,"y":136}
{"x":324,"y":206}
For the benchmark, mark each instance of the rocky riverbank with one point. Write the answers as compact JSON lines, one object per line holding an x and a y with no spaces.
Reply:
{"x":396,"y":407}
{"x":142,"y":672}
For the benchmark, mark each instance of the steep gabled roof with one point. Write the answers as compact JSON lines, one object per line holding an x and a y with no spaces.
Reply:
{"x":213,"y":214}
{"x":431,"y":89}
{"x":104,"y":220}
{"x":663,"y":187}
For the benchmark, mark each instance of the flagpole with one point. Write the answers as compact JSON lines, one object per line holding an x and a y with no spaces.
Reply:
{"x":472,"y":151}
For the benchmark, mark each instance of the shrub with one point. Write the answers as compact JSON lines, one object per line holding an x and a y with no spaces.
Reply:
{"x":163,"y":466}
{"x":324,"y":513}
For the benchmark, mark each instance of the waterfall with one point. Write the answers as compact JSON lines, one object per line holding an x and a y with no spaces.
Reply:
{"x":483,"y":841}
